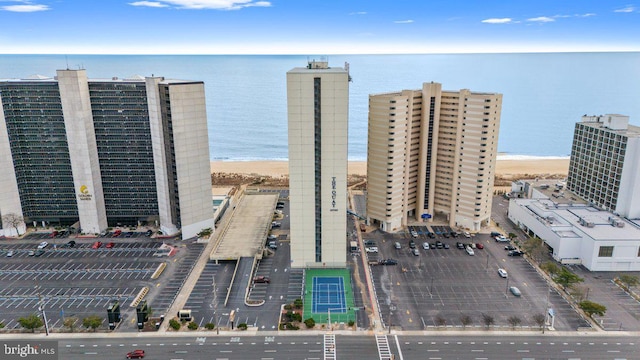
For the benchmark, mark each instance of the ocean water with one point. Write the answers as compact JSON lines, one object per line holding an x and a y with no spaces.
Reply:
{"x":544,"y":95}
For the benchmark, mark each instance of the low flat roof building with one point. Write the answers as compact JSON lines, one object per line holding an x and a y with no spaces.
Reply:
{"x":579,"y":233}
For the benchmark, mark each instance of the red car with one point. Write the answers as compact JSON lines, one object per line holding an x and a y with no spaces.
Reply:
{"x":110,"y":245}
{"x":261,"y":279}
{"x":96,"y":245}
{"x":135,"y":354}
{"x":479,"y":246}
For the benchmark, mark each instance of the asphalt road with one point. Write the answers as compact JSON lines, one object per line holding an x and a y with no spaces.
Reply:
{"x":489,"y":347}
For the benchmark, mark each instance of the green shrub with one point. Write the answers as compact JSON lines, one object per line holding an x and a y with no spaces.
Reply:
{"x":351,"y":323}
{"x":288,"y":307}
{"x":209,"y":326}
{"x":296,"y":317}
{"x":310,"y":323}
{"x":175,"y":324}
{"x":192,"y":326}
{"x":242,"y":326}
{"x":298,"y":303}
{"x":290,"y":326}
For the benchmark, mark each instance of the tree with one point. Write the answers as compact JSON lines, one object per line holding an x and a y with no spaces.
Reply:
{"x":539,"y":319}
{"x":566,"y":278}
{"x":70,"y":322}
{"x":243,"y":326}
{"x":550,"y":267}
{"x":192,"y":326}
{"x":209,"y":326}
{"x":512,"y":236}
{"x":628,"y":280}
{"x":13,"y":220}
{"x":2,"y":325}
{"x":465,"y":320}
{"x":175,"y":324}
{"x":31,"y":322}
{"x":440,"y":321}
{"x":92,"y":322}
{"x":297,"y":303}
{"x":590,"y":308}
{"x":514,"y":321}
{"x":535,"y":248}
{"x":488,"y":320}
{"x":310,"y":323}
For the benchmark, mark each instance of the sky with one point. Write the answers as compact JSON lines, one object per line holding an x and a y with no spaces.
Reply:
{"x":316,"y":27}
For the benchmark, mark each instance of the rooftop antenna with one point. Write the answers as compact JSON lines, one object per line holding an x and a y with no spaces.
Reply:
{"x":66,"y":59}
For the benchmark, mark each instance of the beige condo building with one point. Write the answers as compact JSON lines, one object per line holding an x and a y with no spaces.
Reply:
{"x":432,"y":153}
{"x":318,"y":108}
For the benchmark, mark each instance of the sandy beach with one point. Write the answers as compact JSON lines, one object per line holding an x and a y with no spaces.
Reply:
{"x":504,"y":168}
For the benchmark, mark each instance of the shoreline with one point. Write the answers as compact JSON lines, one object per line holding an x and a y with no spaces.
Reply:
{"x":507,"y":167}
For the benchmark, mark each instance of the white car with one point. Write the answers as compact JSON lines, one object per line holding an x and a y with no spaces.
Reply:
{"x":10,"y":253}
{"x":43,"y":245}
{"x":373,"y":249}
{"x":466,"y":234}
{"x":502,"y":272}
{"x":425,"y":245}
{"x":469,"y":251}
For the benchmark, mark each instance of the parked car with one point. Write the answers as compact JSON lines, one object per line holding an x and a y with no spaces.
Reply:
{"x":447,"y":235}
{"x":460,"y":245}
{"x":495,"y":233}
{"x":43,"y":245}
{"x":148,"y":233}
{"x":466,"y":234}
{"x":425,"y":245}
{"x":439,"y":244}
{"x":431,"y":235}
{"x":39,"y":252}
{"x":469,"y":251}
{"x":454,"y":234}
{"x":502,"y":272}
{"x":70,"y":244}
{"x":373,"y":249}
{"x":129,"y":234}
{"x":10,"y":253}
{"x":53,"y":234}
{"x":110,"y":245}
{"x":135,"y":354}
{"x":501,"y":239}
{"x":471,"y":245}
{"x":446,"y":246}
{"x":412,"y":244}
{"x":273,"y":245}
{"x":515,"y":253}
{"x":261,"y":280}
{"x":479,"y":246}
{"x":388,"y":262}
{"x":276,"y":224}
{"x":96,"y":245}
{"x":31,"y":252}
{"x":415,"y":252}
{"x":397,"y":245}
{"x":509,"y":247}
{"x":515,"y":291}
{"x":369,"y":243}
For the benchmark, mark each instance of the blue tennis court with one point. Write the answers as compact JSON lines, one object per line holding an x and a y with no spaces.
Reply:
{"x":328,"y":293}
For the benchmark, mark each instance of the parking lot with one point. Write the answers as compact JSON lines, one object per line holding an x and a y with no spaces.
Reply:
{"x":440,"y":287}
{"x":82,"y":280}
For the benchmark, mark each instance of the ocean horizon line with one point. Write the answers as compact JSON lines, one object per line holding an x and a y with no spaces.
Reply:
{"x":500,"y":157}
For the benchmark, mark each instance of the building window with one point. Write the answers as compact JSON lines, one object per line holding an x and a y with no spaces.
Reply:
{"x":605,"y":251}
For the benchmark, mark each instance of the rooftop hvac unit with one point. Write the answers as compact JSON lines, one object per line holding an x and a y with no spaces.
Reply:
{"x":620,"y":223}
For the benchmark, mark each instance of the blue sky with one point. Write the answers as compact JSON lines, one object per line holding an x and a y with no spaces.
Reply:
{"x":315,"y":27}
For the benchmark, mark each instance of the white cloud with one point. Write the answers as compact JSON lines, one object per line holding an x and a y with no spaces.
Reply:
{"x":358,"y":13}
{"x":25,"y":7}
{"x":149,"y":4}
{"x":204,"y":4}
{"x":586,"y":15}
{"x":542,"y":19}
{"x":403,"y":21}
{"x":627,"y":9}
{"x":497,"y":21}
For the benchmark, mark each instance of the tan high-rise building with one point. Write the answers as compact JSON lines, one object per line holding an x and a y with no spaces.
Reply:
{"x":318,"y":106}
{"x":432,"y":153}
